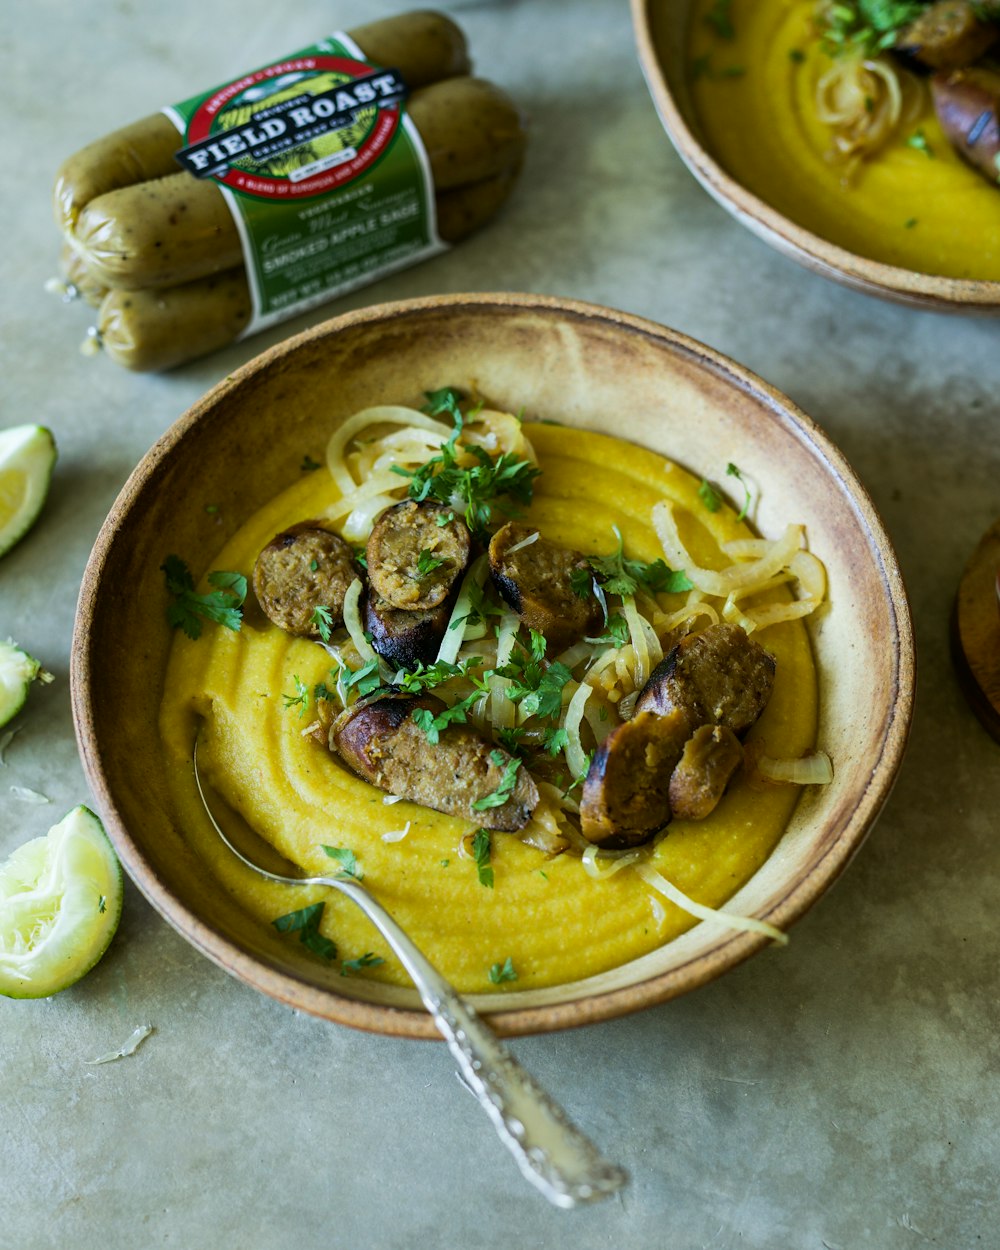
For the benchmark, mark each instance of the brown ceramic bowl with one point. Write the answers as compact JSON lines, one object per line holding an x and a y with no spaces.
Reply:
{"x":579,"y":364}
{"x":661,"y":33}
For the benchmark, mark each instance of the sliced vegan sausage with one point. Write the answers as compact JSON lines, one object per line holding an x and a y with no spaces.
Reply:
{"x":537,"y":582}
{"x":947,"y":35}
{"x":625,"y":797}
{"x":719,"y":676}
{"x":403,"y":638}
{"x":301,"y":569}
{"x":416,"y":553}
{"x":967,"y":103}
{"x":379,"y":739}
{"x":711,"y":756}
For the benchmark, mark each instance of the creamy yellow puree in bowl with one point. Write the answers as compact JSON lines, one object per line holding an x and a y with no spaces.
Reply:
{"x":913,"y":223}
{"x":645,"y":413}
{"x":545,"y":914}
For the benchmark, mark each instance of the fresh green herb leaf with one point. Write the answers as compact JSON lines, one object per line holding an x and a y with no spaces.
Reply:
{"x":719,"y":17}
{"x":615,"y":632}
{"x":918,"y":140}
{"x":503,"y":972}
{"x":796,"y":55}
{"x":347,"y":860}
{"x":432,"y":725}
{"x":223,"y":606}
{"x":733,"y":471}
{"x":448,"y":400}
{"x":910,"y":223}
{"x":866,"y":27}
{"x":300,"y":698}
{"x":322,"y":618}
{"x":555,"y":740}
{"x":481,"y":854}
{"x":479,"y":487}
{"x":510,"y":738}
{"x":305,"y":922}
{"x":701,"y":67}
{"x":504,"y":790}
{"x":709,"y":496}
{"x":102,"y":904}
{"x":212,"y":509}
{"x":427,"y":562}
{"x":618,"y":575}
{"x":427,"y":676}
{"x":367,"y":960}
{"x":309,"y":465}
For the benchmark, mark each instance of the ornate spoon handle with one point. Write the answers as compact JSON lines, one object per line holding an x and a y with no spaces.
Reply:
{"x":550,"y":1151}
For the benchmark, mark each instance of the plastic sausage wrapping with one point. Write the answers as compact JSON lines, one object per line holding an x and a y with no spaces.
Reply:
{"x":165,"y":258}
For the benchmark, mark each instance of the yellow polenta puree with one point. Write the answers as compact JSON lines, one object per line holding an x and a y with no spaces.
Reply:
{"x":915,"y":204}
{"x":553,"y":921}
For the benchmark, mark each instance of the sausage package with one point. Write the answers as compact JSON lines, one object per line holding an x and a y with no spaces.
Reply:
{"x":283,"y":188}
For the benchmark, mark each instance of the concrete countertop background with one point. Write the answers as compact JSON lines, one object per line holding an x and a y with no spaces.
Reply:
{"x":841,"y":1093}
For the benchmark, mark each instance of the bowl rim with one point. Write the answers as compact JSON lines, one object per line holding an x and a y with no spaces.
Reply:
{"x":964,"y":296}
{"x":725,"y":952}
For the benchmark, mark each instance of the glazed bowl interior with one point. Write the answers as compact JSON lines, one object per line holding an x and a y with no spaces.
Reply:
{"x":661,"y":31}
{"x":574,"y":363}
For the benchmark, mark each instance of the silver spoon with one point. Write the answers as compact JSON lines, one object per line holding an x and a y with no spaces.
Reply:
{"x":551,"y":1152}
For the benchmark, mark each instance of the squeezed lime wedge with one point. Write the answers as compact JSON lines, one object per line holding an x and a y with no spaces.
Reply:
{"x":27,"y":458}
{"x":60,"y":903}
{"x":18,"y":670}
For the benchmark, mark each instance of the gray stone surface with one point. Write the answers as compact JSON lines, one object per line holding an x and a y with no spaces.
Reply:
{"x":841,"y":1093}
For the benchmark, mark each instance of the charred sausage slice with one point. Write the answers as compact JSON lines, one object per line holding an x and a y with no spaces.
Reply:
{"x":416,"y":553}
{"x":379,"y":739}
{"x":711,"y":756}
{"x":719,"y":676}
{"x":405,"y":639}
{"x":947,"y":35}
{"x":626,"y":796}
{"x":536,"y":581}
{"x":301,"y":569}
{"x":967,"y":103}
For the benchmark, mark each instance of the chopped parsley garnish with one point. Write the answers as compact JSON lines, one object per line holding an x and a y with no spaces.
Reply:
{"x":223,"y":606}
{"x":102,"y":904}
{"x":796,"y":55}
{"x":503,"y":972}
{"x":481,"y":854}
{"x":866,"y":26}
{"x":448,"y":400}
{"x":368,"y":960}
{"x":615,"y":632}
{"x":427,"y":562}
{"x":733,"y":471}
{"x":617,"y":575}
{"x":427,"y":676}
{"x":305,"y":922}
{"x":322,"y":618}
{"x":432,"y":724}
{"x":300,"y":698}
{"x":910,"y":223}
{"x":555,"y":740}
{"x":918,"y":140}
{"x":709,"y":496}
{"x":506,"y":787}
{"x":474,"y":490}
{"x":347,"y":860}
{"x":309,"y":465}
{"x":719,"y":17}
{"x":366,"y":679}
{"x":534,"y":685}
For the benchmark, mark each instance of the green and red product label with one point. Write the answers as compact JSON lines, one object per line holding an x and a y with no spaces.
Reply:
{"x":323,"y":170}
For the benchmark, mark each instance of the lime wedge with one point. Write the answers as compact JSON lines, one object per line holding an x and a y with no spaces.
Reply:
{"x":27,"y":457}
{"x":60,"y":903}
{"x":18,"y":670}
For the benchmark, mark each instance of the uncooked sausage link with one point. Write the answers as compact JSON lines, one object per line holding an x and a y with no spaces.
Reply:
{"x":160,"y":327}
{"x":175,"y":229}
{"x":424,"y":46}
